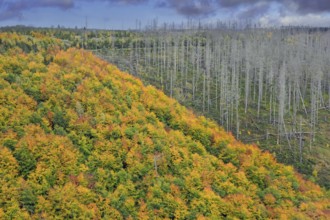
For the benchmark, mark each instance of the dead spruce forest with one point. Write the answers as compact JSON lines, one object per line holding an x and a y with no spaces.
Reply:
{"x":173,"y":123}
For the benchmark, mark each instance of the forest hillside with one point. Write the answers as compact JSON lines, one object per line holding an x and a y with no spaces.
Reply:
{"x":269,"y":86}
{"x":82,"y":140}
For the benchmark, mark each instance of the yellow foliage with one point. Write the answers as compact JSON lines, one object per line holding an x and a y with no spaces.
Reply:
{"x":269,"y":199}
{"x":8,"y":165}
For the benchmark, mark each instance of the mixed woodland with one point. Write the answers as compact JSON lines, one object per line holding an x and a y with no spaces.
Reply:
{"x":80,"y":139}
{"x":265,"y":86}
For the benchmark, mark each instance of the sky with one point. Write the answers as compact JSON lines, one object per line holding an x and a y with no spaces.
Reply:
{"x":127,"y":14}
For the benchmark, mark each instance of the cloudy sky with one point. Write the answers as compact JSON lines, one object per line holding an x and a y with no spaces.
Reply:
{"x":123,"y":14}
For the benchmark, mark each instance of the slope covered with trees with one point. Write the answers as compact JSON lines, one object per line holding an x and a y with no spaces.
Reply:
{"x":81,"y":139}
{"x":266,"y":86}
{"x":270,"y":86}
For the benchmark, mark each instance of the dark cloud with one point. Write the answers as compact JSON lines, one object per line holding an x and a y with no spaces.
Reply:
{"x":63,"y":4}
{"x":26,"y":4}
{"x":8,"y":14}
{"x":253,"y":11}
{"x":298,"y":6}
{"x":235,"y":3}
{"x":5,"y":13}
{"x":130,"y":1}
{"x":310,"y":6}
{"x":14,"y":8}
{"x":190,"y":8}
{"x":253,"y":8}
